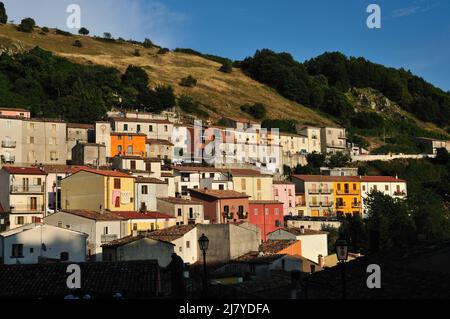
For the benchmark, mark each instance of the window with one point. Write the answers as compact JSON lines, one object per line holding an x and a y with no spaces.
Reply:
{"x":130,"y":137}
{"x":386,"y":187}
{"x":364,"y":188}
{"x":191,"y":213}
{"x":116,"y":183}
{"x":256,"y":211}
{"x":31,"y":250}
{"x":125,"y":127}
{"x":266,"y":211}
{"x":144,"y":189}
{"x":226,"y":209}
{"x":258,"y":184}
{"x":31,"y":126}
{"x":133,"y":165}
{"x":221,"y":187}
{"x":354,"y":187}
{"x":105,"y":230}
{"x":53,"y":127}
{"x":276,"y":192}
{"x":150,"y":128}
{"x":17,"y":251}
{"x":135,"y":226}
{"x":375,"y":188}
{"x":8,"y":124}
{"x":179,"y":212}
{"x":277,"y":210}
{"x":117,"y":202}
{"x":119,"y":149}
{"x":243,"y":184}
{"x":20,"y":220}
{"x":138,"y":128}
{"x":188,"y":244}
{"x":180,"y":249}
{"x":64,"y":256}
{"x":31,"y":140}
{"x":166,"y":128}
{"x":290,"y":192}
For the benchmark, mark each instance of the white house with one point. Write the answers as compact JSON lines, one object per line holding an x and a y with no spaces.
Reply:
{"x":147,"y":190}
{"x":313,"y":242}
{"x":32,"y":243}
{"x":101,"y":227}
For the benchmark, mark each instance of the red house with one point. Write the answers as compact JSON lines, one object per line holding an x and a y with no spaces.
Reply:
{"x":267,"y":215}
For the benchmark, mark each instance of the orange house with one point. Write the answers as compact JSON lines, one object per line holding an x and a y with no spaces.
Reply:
{"x":129,"y":144}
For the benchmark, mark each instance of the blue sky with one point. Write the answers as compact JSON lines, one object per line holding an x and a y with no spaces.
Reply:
{"x":415,"y":34}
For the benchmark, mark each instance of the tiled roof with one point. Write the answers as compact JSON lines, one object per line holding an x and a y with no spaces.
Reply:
{"x":106,"y":216}
{"x":136,"y":120}
{"x":381,"y":179}
{"x":13,"y":109}
{"x":323,"y":178}
{"x":246,"y":172}
{"x":283,"y":183}
{"x":68,"y":169}
{"x":166,"y":175}
{"x":219,"y":194}
{"x":152,"y":160}
{"x":180,"y":201}
{"x":131,"y":239}
{"x":257,"y":258}
{"x":275,"y":246}
{"x":133,"y":279}
{"x":172,"y":233}
{"x":24,"y":170}
{"x":127,"y":134}
{"x":158,"y":142}
{"x":149,"y":180}
{"x":107,"y":173}
{"x":298,"y":231}
{"x":139,"y":215}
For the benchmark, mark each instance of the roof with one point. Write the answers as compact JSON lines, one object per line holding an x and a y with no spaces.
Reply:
{"x":149,"y":180}
{"x":131,"y":239}
{"x":257,"y":258}
{"x":68,"y":169}
{"x":80,"y":125}
{"x":106,"y":173}
{"x":241,"y":120}
{"x":298,"y":231}
{"x":219,"y":194}
{"x":381,"y":179}
{"x":172,"y":233}
{"x":246,"y":172}
{"x":158,"y":142}
{"x":275,"y":246}
{"x":323,"y":178}
{"x":283,"y":183}
{"x":13,"y":109}
{"x":127,"y":134}
{"x":197,"y":169}
{"x":180,"y":201}
{"x":24,"y":170}
{"x":32,"y":226}
{"x":137,"y":120}
{"x":97,"y":216}
{"x":265,"y":202}
{"x":133,"y":279}
{"x":139,"y":215}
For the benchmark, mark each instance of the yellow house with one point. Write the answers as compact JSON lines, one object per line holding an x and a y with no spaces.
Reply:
{"x":146,"y":221}
{"x":347,"y":195}
{"x":98,"y":190}
{"x":253,"y":183}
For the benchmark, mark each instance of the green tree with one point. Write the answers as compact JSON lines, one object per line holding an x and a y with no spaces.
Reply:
{"x":27,"y":25}
{"x":107,"y":35}
{"x":257,"y":110}
{"x":148,"y":44}
{"x":83,"y":31}
{"x":166,"y":96}
{"x":338,"y":159}
{"x":3,"y":15}
{"x":227,"y":67}
{"x":135,"y":77}
{"x":188,"y":81}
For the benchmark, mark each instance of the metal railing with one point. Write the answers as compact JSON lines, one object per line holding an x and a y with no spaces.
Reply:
{"x":321,"y":204}
{"x":347,"y":192}
{"x":320,"y":191}
{"x":108,"y":238}
{"x":8,"y":159}
{"x":27,"y":209}
{"x":20,"y":188}
{"x":9,"y":144}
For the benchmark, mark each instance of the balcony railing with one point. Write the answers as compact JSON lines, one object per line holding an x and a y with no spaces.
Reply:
{"x":321,"y":204}
{"x":300,"y":203}
{"x":340,"y":205}
{"x":27,"y":188}
{"x":8,"y":144}
{"x":347,"y":192}
{"x":27,"y":209}
{"x":8,"y":159}
{"x":320,"y":191}
{"x":402,"y":193}
{"x":108,"y":238}
{"x":356,"y":205}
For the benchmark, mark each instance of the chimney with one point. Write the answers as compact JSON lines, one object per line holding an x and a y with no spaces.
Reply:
{"x":302,"y":229}
{"x":321,"y":261}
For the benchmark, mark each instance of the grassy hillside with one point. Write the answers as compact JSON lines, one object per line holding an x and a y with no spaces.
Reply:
{"x":225,"y":93}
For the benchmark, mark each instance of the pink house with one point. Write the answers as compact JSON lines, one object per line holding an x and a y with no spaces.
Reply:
{"x":13,"y":112}
{"x":284,"y":192}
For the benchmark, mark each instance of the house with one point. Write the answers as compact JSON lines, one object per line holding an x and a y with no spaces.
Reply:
{"x":84,"y":153}
{"x":284,"y":191}
{"x":4,"y":219}
{"x":318,"y":194}
{"x":138,"y":166}
{"x":98,"y":190}
{"x":388,"y":185}
{"x":23,"y":193}
{"x":347,"y":199}
{"x":141,"y":247}
{"x":11,"y":139}
{"x":145,"y":221}
{"x":267,"y":215}
{"x":333,"y":140}
{"x":132,"y":279}
{"x":186,"y":211}
{"x":103,"y":136}
{"x":129,"y":144}
{"x":181,"y":144}
{"x":101,"y":227}
{"x":300,"y":205}
{"x":339,"y":171}
{"x":78,"y":133}
{"x":15,"y":112}
{"x":281,"y":247}
{"x":313,"y":242}
{"x":35,"y":243}
{"x":292,"y":144}
{"x":194,"y":177}
{"x":313,"y":135}
{"x":257,"y":185}
{"x":222,"y":206}
{"x":162,"y":149}
{"x":147,"y":190}
{"x":161,"y":129}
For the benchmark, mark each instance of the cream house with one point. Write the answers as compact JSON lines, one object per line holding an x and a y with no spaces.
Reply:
{"x":253,"y":183}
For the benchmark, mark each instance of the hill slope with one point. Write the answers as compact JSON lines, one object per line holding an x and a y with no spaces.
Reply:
{"x":224,"y":92}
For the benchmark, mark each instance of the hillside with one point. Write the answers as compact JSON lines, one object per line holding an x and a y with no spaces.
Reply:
{"x":225,"y":93}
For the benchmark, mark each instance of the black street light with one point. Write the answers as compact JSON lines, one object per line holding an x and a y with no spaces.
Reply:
{"x":342,"y":256}
{"x":203,"y":242}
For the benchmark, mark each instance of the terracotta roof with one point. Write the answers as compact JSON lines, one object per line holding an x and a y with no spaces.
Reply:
{"x":127,"y":134}
{"x":131,"y":239}
{"x":172,"y":233}
{"x":68,"y":169}
{"x":13,"y":109}
{"x":246,"y":172}
{"x":80,"y":125}
{"x":158,"y":142}
{"x":47,"y":120}
{"x":180,"y":201}
{"x":298,"y":231}
{"x":197,"y":169}
{"x":257,"y":258}
{"x":275,"y":246}
{"x":149,"y":180}
{"x":266,"y":202}
{"x":241,"y":120}
{"x":219,"y":194}
{"x":152,"y":160}
{"x":133,"y":279}
{"x":24,"y":170}
{"x":106,"y":173}
{"x":106,"y":216}
{"x":283,"y":183}
{"x":139,"y":215}
{"x":136,"y":120}
{"x":323,"y":178}
{"x":166,"y":175}
{"x":381,"y":179}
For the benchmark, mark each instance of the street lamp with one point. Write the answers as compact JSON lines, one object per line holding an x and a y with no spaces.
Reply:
{"x":203,"y":242}
{"x":342,"y":256}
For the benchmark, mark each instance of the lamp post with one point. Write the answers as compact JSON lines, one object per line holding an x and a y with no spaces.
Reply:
{"x":342,"y":256}
{"x":203,"y":242}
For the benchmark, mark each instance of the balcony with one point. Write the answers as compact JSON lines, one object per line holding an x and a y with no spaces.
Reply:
{"x":340,"y":205}
{"x":27,"y":189}
{"x":356,"y":205}
{"x":108,"y":238}
{"x":347,"y":192}
{"x":27,"y":209}
{"x":320,"y":191}
{"x":8,"y":159}
{"x":402,"y":193}
{"x":9,"y":144}
{"x":321,"y":204}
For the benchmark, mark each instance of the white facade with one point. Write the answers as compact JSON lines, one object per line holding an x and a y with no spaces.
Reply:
{"x":25,"y":245}
{"x":181,"y":140}
{"x":313,"y":246}
{"x":186,"y":246}
{"x":393,"y":187}
{"x":11,"y":140}
{"x":146,"y":193}
{"x":103,"y":135}
{"x":313,"y":136}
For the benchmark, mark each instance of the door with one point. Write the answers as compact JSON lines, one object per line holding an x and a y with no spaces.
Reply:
{"x":133,"y":165}
{"x":25,"y":184}
{"x":33,"y":203}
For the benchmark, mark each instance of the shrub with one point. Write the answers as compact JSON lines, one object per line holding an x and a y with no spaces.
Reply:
{"x":227,"y":67}
{"x":189,"y":105}
{"x":3,"y":16}
{"x":137,"y":52}
{"x":148,"y":44}
{"x":83,"y":31}
{"x":27,"y":25}
{"x":107,"y":35}
{"x":64,"y":33}
{"x":45,"y":30}
{"x":188,"y":81}
{"x":257,"y":110}
{"x":163,"y":51}
{"x":77,"y":43}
